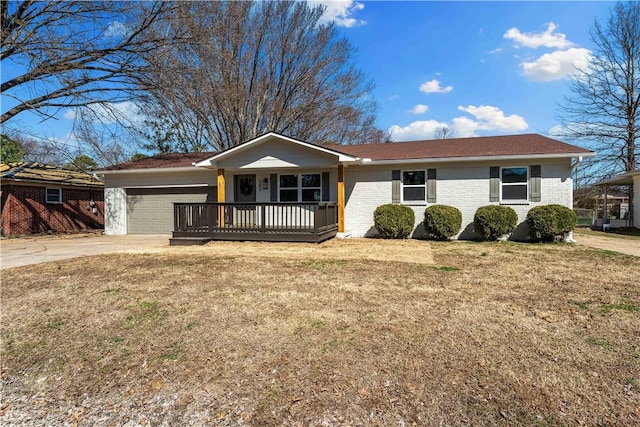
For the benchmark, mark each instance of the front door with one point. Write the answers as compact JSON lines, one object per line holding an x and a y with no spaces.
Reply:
{"x":244,"y":191}
{"x":244,"y":188}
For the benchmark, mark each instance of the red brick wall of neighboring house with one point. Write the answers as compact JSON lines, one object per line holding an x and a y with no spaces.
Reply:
{"x":25,"y":211}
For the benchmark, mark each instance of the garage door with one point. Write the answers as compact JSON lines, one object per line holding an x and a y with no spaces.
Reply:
{"x":150,"y":210}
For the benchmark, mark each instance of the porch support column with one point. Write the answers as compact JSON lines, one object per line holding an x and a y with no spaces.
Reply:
{"x":221,"y":197}
{"x":340,"y":198}
{"x":221,"y":186}
{"x":605,"y":214}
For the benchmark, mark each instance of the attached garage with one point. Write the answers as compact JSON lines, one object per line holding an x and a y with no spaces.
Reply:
{"x":141,"y":192}
{"x":150,"y":210}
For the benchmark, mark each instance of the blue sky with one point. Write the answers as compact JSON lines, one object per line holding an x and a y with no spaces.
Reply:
{"x":480,"y":68}
{"x":484,"y":68}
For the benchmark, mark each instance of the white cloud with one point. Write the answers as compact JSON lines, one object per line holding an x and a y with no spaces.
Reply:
{"x":485,"y":118}
{"x":433,"y":86}
{"x":557,"y":130}
{"x":422,"y":129}
{"x":419,"y":109}
{"x":492,"y":118}
{"x":109,"y":113}
{"x":535,"y":40}
{"x":116,"y":29}
{"x":556,"y":65}
{"x":71,"y":114}
{"x":340,"y":11}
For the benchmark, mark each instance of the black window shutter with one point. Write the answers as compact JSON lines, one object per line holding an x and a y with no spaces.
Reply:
{"x":395,"y":186}
{"x":431,"y":185}
{"x":274,"y":187}
{"x":325,"y":187}
{"x":494,"y":184}
{"x":535,"y":183}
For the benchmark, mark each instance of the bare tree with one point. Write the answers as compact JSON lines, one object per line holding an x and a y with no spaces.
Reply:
{"x":253,"y":67}
{"x":604,"y":106}
{"x":443,"y":132}
{"x":105,"y":135}
{"x":74,"y":53}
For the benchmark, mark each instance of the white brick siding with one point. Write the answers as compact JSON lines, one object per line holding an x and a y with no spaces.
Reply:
{"x":365,"y":189}
{"x":115,"y":211}
{"x":465,"y":186}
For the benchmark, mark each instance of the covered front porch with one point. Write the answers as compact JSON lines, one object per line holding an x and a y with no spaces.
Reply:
{"x":272,"y":188}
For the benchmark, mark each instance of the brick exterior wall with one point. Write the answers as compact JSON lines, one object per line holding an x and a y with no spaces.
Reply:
{"x":464,"y":186}
{"x":25,"y":211}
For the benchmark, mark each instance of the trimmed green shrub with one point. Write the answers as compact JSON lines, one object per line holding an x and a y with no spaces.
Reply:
{"x":493,"y":222}
{"x":441,"y":222}
{"x":546,"y":223}
{"x":394,"y":221}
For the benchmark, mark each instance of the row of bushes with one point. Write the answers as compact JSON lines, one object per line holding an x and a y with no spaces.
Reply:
{"x":441,"y":222}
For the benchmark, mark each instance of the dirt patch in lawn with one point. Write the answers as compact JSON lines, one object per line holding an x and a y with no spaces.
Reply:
{"x":333,"y":334}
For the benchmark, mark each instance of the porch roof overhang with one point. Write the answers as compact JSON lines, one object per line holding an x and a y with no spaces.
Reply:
{"x":211,"y":162}
{"x":623,"y":179}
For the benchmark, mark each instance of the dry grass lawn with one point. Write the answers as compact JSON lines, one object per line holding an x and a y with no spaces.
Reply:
{"x":349,"y":332}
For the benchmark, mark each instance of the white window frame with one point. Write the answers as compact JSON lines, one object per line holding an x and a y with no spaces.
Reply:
{"x":299,"y":186}
{"x":526,"y":183}
{"x":58,"y":201}
{"x":402,"y":186}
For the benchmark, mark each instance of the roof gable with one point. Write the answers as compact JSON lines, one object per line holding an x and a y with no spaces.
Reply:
{"x":273,"y":137}
{"x":43,"y":173}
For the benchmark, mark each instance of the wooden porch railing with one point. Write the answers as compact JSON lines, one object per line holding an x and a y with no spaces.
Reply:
{"x":304,"y":221}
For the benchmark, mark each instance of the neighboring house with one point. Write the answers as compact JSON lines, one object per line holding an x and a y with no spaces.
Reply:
{"x":273,"y":186}
{"x":593,"y":197}
{"x":38,"y":198}
{"x":629,"y":178}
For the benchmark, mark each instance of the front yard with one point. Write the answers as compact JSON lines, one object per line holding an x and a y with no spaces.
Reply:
{"x":349,"y":332}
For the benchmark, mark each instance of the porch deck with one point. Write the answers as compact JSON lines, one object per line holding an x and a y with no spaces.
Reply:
{"x":198,"y":223}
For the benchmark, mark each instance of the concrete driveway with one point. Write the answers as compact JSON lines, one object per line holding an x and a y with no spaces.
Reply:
{"x":33,"y":250}
{"x":618,"y":244}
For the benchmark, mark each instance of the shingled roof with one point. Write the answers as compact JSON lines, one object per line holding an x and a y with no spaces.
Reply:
{"x":164,"y":160}
{"x":487,"y":146}
{"x":43,"y":173}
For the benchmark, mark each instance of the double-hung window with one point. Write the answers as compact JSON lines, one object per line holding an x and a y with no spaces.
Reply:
{"x":414,"y":186}
{"x":311,"y":187}
{"x":300,"y":187}
{"x":54,"y":195}
{"x":288,"y":188}
{"x":514,"y":183}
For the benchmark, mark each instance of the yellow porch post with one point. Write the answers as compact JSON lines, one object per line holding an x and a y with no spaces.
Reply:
{"x":340,"y":198}
{"x":221,"y":198}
